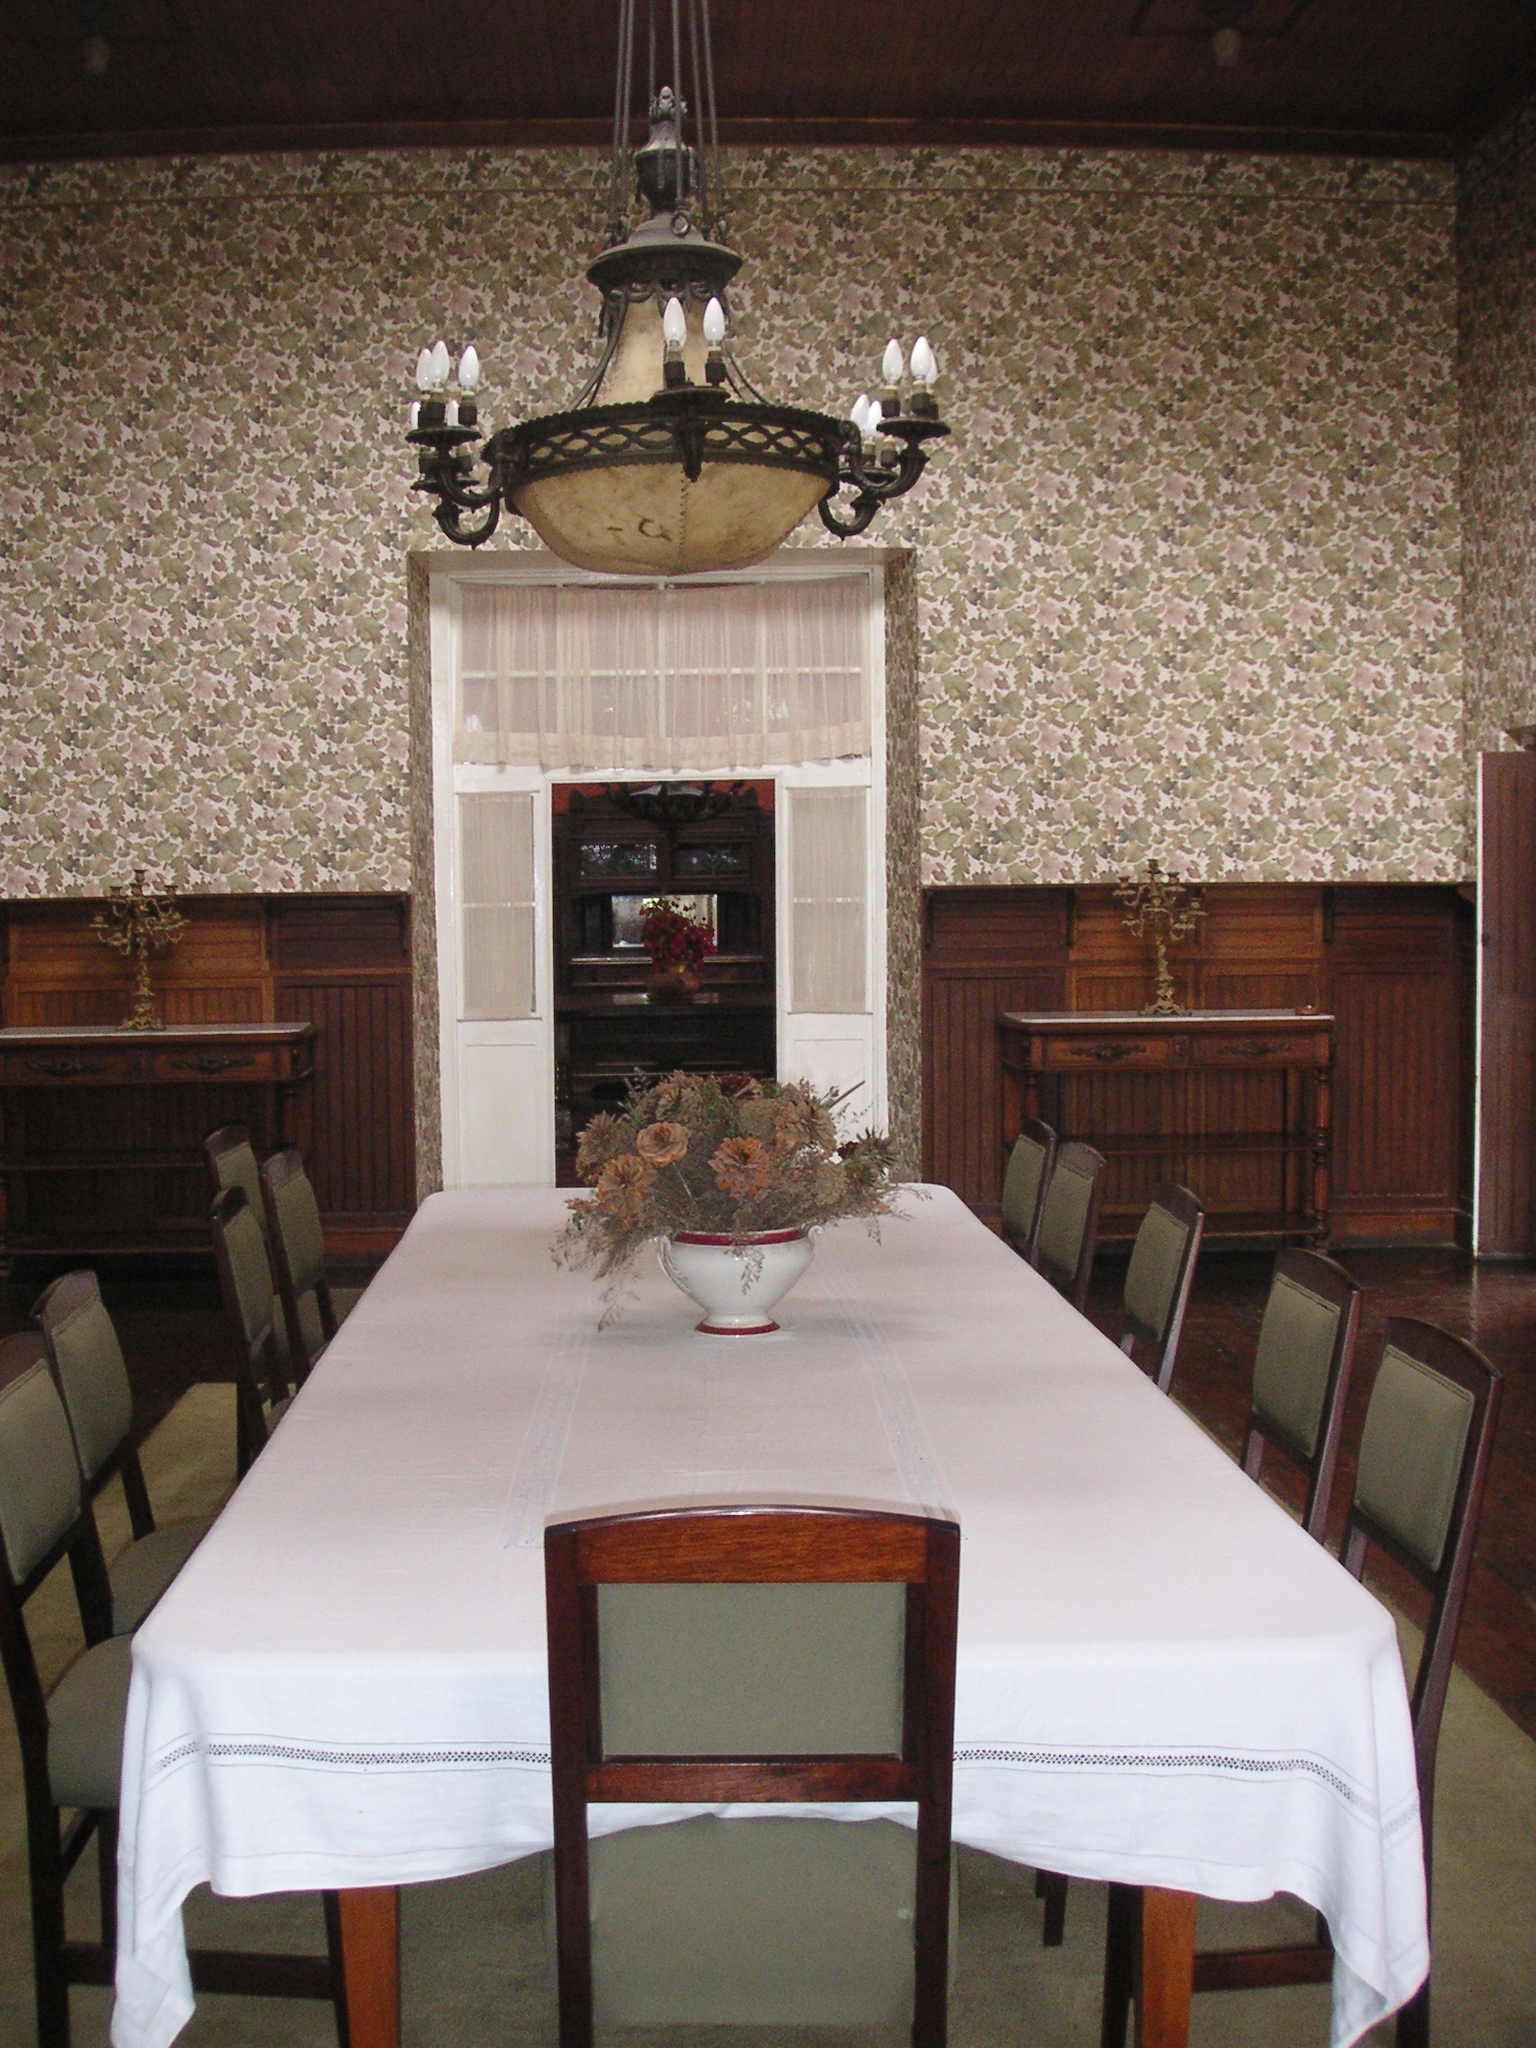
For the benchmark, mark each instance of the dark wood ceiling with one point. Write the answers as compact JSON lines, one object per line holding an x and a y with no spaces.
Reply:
{"x":1377,"y":77}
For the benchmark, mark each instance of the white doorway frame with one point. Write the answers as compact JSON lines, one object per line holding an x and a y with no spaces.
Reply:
{"x":823,"y":1048}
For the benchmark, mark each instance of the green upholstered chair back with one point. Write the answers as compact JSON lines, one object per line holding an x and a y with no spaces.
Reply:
{"x":40,"y":1491}
{"x":1423,"y":1469}
{"x":1159,"y":1277}
{"x":1025,"y":1182}
{"x":1069,"y":1220}
{"x":1292,"y":1364}
{"x":1411,"y":1454}
{"x":751,"y":1670}
{"x":232,"y":1164}
{"x":88,"y":1364}
{"x":296,"y":1216}
{"x":1157,"y":1265}
{"x":1301,"y":1374}
{"x":250,"y":1272}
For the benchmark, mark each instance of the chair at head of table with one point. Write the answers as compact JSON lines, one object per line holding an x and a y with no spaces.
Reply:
{"x":714,"y":1655}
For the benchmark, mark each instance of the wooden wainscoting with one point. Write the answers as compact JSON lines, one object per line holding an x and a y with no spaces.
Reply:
{"x":1393,"y":964}
{"x":339,"y":962}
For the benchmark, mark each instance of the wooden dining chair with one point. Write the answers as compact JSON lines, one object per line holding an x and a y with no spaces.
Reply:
{"x":71,"y":1739}
{"x":312,"y":1309}
{"x":757,"y":1654}
{"x":1069,"y":1221}
{"x":1024,"y":1184}
{"x":262,"y":1387}
{"x":1301,"y":1375}
{"x":1158,"y":1280}
{"x":88,"y":1369}
{"x":1419,"y":1485}
{"x":232,"y":1163}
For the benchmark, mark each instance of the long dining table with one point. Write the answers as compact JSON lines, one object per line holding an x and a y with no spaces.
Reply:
{"x":1161,"y":1680}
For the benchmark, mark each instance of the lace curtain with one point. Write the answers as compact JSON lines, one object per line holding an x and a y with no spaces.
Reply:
{"x":828,"y":903}
{"x":725,"y":675}
{"x":496,"y":879}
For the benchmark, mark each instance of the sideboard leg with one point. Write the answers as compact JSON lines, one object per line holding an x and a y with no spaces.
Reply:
{"x":1167,"y":1968}
{"x":370,"y":1962}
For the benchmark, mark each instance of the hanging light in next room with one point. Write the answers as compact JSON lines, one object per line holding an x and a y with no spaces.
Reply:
{"x":669,"y":461}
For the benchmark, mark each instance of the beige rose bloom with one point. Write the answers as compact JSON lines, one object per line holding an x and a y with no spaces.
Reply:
{"x":661,"y":1144}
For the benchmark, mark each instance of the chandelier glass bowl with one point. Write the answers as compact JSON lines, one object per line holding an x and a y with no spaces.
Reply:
{"x":669,"y":461}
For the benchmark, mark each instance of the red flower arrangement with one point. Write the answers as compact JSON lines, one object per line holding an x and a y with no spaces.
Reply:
{"x":673,"y":941}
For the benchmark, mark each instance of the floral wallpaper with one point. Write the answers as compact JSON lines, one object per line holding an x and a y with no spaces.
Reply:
{"x":1187,"y":575}
{"x":1496,"y":245}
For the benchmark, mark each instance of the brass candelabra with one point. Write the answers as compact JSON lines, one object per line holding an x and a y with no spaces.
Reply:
{"x":138,"y":922}
{"x":1159,"y":903}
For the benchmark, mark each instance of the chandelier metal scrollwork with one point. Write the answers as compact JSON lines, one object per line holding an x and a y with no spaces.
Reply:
{"x":670,"y":460}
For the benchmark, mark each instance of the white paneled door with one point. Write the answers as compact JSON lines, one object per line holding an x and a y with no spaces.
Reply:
{"x":491,"y":809}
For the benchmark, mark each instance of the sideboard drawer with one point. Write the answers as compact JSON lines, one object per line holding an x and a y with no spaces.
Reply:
{"x":1110,"y":1053}
{"x":1260,"y":1048}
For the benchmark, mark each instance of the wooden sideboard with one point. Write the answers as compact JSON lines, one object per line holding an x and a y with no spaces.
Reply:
{"x":1236,"y":1104}
{"x":101,"y":1128}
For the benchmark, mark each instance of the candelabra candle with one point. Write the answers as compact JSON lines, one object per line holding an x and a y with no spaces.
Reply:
{"x":1161,"y":905}
{"x":137,"y":923}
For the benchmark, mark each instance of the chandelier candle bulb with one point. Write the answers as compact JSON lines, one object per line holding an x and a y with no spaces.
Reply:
{"x":892,"y":364}
{"x":424,"y":370}
{"x":440,"y":364}
{"x":674,"y":326}
{"x":925,"y":367}
{"x":415,"y":414}
{"x":451,"y":415}
{"x":469,"y":370}
{"x":714,"y":323}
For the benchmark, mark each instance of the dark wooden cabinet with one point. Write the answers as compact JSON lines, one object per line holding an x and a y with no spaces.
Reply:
{"x":609,"y":1024}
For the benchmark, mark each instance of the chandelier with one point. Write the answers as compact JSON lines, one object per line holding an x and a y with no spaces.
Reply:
{"x":669,"y":461}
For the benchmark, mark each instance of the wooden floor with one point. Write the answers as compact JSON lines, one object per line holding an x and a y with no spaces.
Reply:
{"x":173,"y":1335}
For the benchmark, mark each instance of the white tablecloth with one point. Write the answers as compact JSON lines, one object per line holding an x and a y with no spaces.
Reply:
{"x":1161,"y":1679}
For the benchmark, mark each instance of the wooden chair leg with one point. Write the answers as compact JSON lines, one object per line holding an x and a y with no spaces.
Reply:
{"x":331,"y":1904}
{"x":1051,"y":1886}
{"x":106,"y":1876}
{"x":48,"y":1962}
{"x":1122,"y":1935}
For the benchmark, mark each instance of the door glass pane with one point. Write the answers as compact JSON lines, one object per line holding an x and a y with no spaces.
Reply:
{"x":496,"y":895}
{"x":829,"y":911}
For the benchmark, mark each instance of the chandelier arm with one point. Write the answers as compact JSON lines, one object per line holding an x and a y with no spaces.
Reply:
{"x":442,"y":480}
{"x":739,"y":376}
{"x":448,"y":518}
{"x":862,"y":517}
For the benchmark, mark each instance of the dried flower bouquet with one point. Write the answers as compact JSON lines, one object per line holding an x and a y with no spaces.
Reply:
{"x":725,"y":1154}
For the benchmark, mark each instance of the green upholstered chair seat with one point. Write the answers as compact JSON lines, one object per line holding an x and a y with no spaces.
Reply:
{"x":146,"y":1568}
{"x":774,"y":1921}
{"x":1290,"y":1368}
{"x":1411,"y":1452}
{"x":85,"y":1726}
